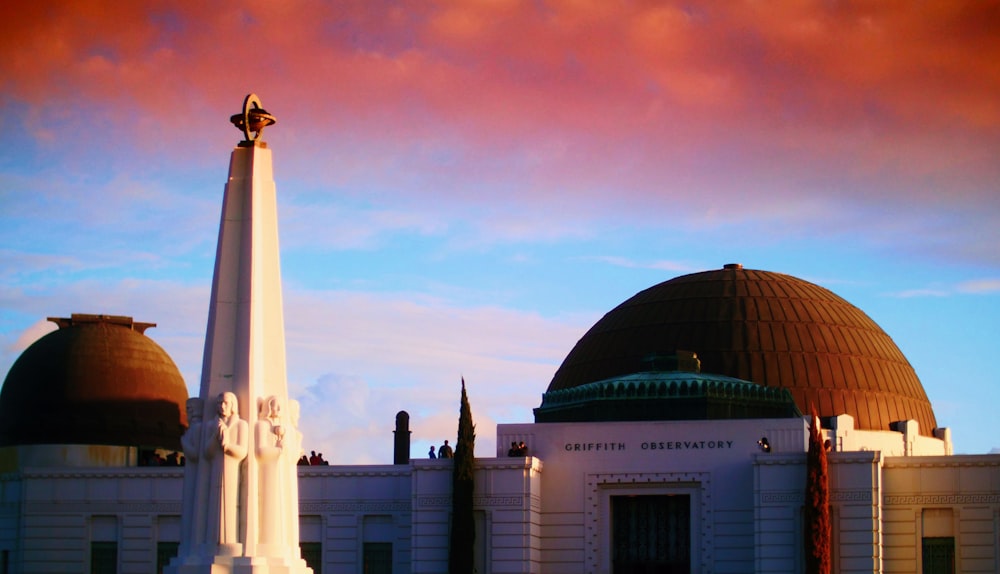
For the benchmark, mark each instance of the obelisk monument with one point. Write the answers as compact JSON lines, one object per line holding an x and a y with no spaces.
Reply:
{"x":240,"y":510}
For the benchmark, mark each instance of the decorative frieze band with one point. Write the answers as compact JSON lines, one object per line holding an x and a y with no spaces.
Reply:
{"x":489,"y":501}
{"x":783,"y":497}
{"x":102,"y":507}
{"x":798,"y":496}
{"x":928,"y":499}
{"x":851,"y":496}
{"x":354,"y":506}
{"x":478,"y":501}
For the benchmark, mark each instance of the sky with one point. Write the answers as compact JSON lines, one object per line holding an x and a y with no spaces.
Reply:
{"x":465,"y":187}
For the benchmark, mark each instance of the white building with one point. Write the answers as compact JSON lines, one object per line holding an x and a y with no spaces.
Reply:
{"x":670,"y":440}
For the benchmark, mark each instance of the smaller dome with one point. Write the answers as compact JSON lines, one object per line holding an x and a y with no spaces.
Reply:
{"x":97,"y":380}
{"x":678,"y":392}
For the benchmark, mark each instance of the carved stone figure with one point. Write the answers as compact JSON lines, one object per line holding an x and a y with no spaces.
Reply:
{"x":269,"y":447}
{"x":225,"y":447}
{"x":192,"y":529}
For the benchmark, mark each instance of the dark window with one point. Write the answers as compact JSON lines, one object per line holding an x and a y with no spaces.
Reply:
{"x":651,"y":534}
{"x":312,"y":553}
{"x":103,"y":558}
{"x":378,"y":558}
{"x":939,"y":555}
{"x":165,"y":551}
{"x":4,"y":561}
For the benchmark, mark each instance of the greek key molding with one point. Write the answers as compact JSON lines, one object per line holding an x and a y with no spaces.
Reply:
{"x":102,"y":507}
{"x":432,"y":501}
{"x":949,"y":499}
{"x":798,"y":496}
{"x":486,"y":501}
{"x":851,"y":496}
{"x":354,"y":506}
{"x":782,"y":497}
{"x":515,"y":501}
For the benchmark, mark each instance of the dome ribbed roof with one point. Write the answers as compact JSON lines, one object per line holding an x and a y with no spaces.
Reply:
{"x":96,"y":380}
{"x":771,"y":329}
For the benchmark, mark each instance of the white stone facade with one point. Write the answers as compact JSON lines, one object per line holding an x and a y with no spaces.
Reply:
{"x":550,"y":512}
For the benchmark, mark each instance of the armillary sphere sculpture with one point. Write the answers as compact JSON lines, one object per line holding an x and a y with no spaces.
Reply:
{"x":253,"y":120}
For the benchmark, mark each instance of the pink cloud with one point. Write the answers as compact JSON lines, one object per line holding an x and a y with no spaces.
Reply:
{"x":582,"y":108}
{"x":35,"y":331}
{"x":504,"y":66}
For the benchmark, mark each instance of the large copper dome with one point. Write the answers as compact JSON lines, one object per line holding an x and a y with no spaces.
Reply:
{"x":96,"y":380}
{"x":771,"y":329}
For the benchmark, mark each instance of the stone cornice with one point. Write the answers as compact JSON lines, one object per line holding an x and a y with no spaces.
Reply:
{"x":173,"y":473}
{"x":422,"y":465}
{"x":842,"y":457}
{"x":855,"y":457}
{"x":944,"y":461}
{"x":780,"y":459}
{"x":353,"y":471}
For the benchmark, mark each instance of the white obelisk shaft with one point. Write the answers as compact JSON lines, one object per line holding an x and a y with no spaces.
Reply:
{"x":245,"y":355}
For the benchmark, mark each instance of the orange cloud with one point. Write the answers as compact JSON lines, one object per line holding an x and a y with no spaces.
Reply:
{"x":637,"y":97}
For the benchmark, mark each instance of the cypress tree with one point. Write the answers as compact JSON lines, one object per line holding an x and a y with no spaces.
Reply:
{"x":463,"y":527}
{"x":817,"y":507}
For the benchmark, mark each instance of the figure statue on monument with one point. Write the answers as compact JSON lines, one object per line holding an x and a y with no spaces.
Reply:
{"x":225,"y":448}
{"x":269,"y":447}
{"x":191,"y":527}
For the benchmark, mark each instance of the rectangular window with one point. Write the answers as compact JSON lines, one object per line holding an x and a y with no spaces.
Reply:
{"x":378,"y":558}
{"x":939,"y":555}
{"x":103,"y":558}
{"x":312,"y":553}
{"x":165,"y":552}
